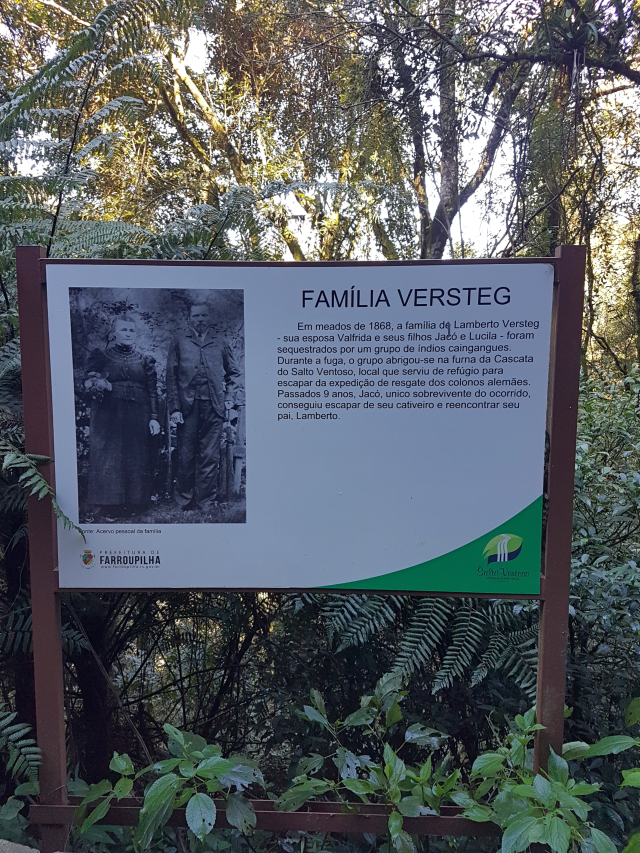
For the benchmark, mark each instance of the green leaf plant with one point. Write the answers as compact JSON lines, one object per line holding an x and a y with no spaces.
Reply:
{"x":546,"y":808}
{"x":408,"y":790}
{"x":537,"y":808}
{"x":191,"y":777}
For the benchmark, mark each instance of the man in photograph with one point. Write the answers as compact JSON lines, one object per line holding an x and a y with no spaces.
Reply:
{"x":203,"y":381}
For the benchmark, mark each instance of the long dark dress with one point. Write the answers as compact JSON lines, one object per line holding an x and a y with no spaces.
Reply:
{"x":120,"y":461}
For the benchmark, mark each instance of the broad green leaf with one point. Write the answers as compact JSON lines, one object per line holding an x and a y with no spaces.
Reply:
{"x":213,"y":768}
{"x":558,"y":769}
{"x":574,"y":750}
{"x":488,"y":764}
{"x":516,"y":836}
{"x":27,"y":789}
{"x":361,"y":717}
{"x":10,"y":809}
{"x":419,"y":734}
{"x":410,"y":807}
{"x":472,"y":809}
{"x":395,"y":823}
{"x":632,"y":713}
{"x":97,"y":814}
{"x":183,"y":797}
{"x":346,"y":762}
{"x":187,"y":769}
{"x":309,"y":764}
{"x":388,"y":685}
{"x":300,"y":793}
{"x":240,"y":813}
{"x":121,"y":764}
{"x":393,"y":715}
{"x":602,"y":842}
{"x":194,"y":744}
{"x":201,"y":815}
{"x":123,"y":787}
{"x":151,"y":819}
{"x":394,"y":767}
{"x":315,"y":716}
{"x":524,"y":791}
{"x":448,"y":783}
{"x":580,"y":789}
{"x":559,"y":834}
{"x":167,"y":765}
{"x":241,"y":776}
{"x":479,"y":813}
{"x":100,"y":789}
{"x":611,"y":745}
{"x":174,"y":733}
{"x":540,"y":833}
{"x":579,"y":807}
{"x":461,"y":798}
{"x":425,"y":770}
{"x":361,"y":787}
{"x":402,"y":842}
{"x":544,"y":791}
{"x":161,"y":792}
{"x":631,"y":778}
{"x":633,"y":845}
{"x":318,"y":701}
{"x":484,"y":787}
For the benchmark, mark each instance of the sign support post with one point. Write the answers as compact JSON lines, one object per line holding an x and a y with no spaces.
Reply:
{"x":562,"y":419}
{"x":54,"y":813}
{"x":43,"y":549}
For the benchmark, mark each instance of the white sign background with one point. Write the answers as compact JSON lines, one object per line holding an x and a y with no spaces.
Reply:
{"x":328,"y":501}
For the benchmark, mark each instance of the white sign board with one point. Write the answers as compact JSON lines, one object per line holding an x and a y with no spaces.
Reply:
{"x":371,"y":427}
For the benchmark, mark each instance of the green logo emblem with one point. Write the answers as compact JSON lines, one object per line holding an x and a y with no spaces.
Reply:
{"x":502,"y":548}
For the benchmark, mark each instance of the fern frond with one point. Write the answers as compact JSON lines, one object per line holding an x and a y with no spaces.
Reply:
{"x":23,"y":752}
{"x":30,"y":478}
{"x":490,"y":659}
{"x":374,"y":614}
{"x":469,"y":631}
{"x":424,"y":632}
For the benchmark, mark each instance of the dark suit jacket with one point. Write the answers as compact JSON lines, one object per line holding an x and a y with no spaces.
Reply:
{"x":220,"y":365}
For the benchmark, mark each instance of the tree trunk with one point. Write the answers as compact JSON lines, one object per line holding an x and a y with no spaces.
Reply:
{"x":416,"y":126}
{"x":441,"y":230}
{"x":635,"y":291}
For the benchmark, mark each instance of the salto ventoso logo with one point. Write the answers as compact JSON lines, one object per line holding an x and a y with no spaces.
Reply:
{"x":502,"y":548}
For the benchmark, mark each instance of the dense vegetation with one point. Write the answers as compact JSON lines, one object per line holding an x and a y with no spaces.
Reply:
{"x":343,"y":130}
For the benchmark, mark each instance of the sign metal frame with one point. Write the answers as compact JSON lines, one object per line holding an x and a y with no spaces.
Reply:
{"x":54,"y":812}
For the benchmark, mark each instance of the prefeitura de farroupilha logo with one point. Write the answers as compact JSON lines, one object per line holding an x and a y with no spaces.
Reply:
{"x":503,"y":548}
{"x":87,"y":558}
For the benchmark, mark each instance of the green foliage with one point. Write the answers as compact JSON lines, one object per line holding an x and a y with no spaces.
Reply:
{"x":409,"y":790}
{"x":471,"y":637}
{"x":194,"y":773}
{"x":537,"y":808}
{"x":21,"y":752}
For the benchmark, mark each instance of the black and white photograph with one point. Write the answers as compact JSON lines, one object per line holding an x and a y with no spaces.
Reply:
{"x":160,"y":405}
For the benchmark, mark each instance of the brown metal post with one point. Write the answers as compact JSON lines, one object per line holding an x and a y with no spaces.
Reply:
{"x":566,"y":340}
{"x":43,"y":556}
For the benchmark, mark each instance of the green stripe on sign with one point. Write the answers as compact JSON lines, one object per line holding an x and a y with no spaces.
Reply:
{"x":504,"y":561}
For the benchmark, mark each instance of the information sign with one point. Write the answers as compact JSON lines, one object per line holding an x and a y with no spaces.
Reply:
{"x":357,"y":427}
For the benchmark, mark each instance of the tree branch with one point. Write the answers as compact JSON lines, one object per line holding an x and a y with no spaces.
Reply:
{"x":64,"y":11}
{"x":219,"y":130}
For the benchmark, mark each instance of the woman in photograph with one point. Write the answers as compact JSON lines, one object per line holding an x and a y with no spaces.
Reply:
{"x":122,"y":383}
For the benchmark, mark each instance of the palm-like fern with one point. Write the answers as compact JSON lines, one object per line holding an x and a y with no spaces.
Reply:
{"x":22,"y":753}
{"x":469,"y":637}
{"x":425,"y":631}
